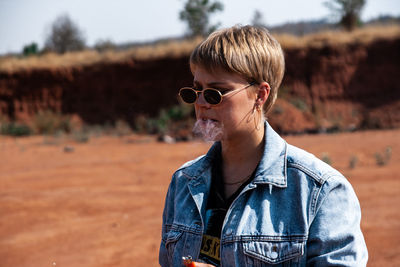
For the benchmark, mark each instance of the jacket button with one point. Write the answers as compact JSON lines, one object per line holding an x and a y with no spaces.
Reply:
{"x":274,"y":252}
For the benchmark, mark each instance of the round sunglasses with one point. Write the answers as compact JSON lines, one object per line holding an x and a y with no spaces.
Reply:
{"x":212,"y":96}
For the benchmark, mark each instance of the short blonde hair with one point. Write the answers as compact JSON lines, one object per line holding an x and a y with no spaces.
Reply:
{"x":249,"y":51}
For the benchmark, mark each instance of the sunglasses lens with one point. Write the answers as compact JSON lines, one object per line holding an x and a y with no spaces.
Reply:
{"x":188,"y":95}
{"x":213,"y":97}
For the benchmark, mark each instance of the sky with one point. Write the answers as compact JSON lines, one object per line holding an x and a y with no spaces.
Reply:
{"x":122,"y":21}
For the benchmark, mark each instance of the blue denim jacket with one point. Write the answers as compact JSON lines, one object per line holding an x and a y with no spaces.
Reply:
{"x":297,"y":211}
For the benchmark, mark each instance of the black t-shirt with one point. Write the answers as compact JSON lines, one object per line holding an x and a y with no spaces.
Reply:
{"x":216,"y":209}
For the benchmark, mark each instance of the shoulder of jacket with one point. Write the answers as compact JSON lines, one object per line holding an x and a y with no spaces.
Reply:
{"x":190,"y":163}
{"x":310,"y":165}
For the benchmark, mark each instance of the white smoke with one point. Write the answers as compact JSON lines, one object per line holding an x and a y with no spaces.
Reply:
{"x":209,"y":130}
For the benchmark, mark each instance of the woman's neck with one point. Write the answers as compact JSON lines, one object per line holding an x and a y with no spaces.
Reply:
{"x":241,"y":155}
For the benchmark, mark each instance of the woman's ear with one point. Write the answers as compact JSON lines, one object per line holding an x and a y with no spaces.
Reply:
{"x":263,"y":92}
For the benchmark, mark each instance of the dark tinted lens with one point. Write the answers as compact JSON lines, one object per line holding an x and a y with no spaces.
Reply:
{"x":213,"y":97}
{"x":188,"y":95}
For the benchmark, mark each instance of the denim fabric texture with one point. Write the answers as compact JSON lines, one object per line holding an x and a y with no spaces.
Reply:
{"x":297,"y":211}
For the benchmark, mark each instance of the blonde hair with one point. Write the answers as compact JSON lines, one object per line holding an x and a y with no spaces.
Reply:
{"x":249,"y":51}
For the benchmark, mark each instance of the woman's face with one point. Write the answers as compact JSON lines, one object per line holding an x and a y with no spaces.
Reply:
{"x":234,"y":116}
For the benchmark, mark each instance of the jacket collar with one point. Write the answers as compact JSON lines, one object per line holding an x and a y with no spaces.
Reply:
{"x":271,"y":169}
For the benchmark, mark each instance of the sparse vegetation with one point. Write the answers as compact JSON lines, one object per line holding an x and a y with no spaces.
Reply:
{"x":122,"y":128}
{"x":383,"y":158}
{"x":81,"y":136}
{"x":326,"y":158}
{"x":299,"y":103}
{"x":277,"y":109}
{"x":175,"y":48}
{"x":166,"y":120}
{"x":15,"y":129}
{"x":353,"y":161}
{"x":104,"y":45}
{"x":49,"y":122}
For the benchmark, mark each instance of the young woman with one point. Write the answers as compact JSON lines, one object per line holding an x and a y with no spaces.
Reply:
{"x":253,"y":199}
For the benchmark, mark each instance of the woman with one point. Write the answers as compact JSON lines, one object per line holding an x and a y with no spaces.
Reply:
{"x":253,"y":199}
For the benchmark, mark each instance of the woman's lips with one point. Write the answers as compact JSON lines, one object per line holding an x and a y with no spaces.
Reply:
{"x":208,"y":119}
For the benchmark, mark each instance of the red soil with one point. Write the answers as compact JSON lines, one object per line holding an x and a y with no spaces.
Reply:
{"x":101,"y":204}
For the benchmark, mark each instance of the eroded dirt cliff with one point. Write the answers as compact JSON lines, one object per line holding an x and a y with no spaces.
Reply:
{"x":332,"y":87}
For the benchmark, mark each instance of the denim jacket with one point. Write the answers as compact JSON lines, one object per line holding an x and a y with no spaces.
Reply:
{"x":297,"y":211}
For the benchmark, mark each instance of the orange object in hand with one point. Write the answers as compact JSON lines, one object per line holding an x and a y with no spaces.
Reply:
{"x":188,"y":261}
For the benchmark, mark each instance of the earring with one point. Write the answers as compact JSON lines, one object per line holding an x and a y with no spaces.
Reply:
{"x":257,"y":117}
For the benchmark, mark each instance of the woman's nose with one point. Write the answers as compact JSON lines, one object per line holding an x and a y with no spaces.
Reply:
{"x":201,"y":101}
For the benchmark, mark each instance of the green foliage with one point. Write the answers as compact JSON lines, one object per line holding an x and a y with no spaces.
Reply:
{"x":348,"y":11}
{"x":383,"y":159}
{"x":64,"y":36}
{"x":163,"y":122}
{"x":48,"y":122}
{"x":30,"y":49}
{"x":15,"y":129}
{"x":196,"y":13}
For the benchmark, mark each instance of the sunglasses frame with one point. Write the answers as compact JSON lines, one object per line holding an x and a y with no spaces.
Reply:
{"x":221,"y":95}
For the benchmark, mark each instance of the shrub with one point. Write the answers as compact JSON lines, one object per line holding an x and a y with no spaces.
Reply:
{"x":15,"y":129}
{"x":353,"y":162}
{"x":277,"y":109}
{"x":80,"y":136}
{"x":48,"y":122}
{"x":122,"y":128}
{"x":104,"y":45}
{"x":165,"y":120}
{"x":326,"y":158}
{"x":31,"y":49}
{"x":383,"y":159}
{"x":299,"y":104}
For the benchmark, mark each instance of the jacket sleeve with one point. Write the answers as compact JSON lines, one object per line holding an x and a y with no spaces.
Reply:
{"x":335,"y":237}
{"x":168,"y":209}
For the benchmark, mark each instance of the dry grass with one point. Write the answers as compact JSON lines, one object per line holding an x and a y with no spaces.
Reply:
{"x":179,"y":48}
{"x":89,"y":57}
{"x":362,"y":35}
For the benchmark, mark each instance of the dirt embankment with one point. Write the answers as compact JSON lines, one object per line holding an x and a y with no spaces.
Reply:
{"x":332,"y":87}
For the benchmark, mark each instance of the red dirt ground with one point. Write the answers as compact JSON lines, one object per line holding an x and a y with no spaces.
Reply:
{"x":101,"y":204}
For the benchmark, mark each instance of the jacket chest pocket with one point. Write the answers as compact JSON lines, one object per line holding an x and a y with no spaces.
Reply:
{"x":273,"y":253}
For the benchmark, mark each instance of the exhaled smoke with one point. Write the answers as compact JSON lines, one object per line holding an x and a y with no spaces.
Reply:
{"x":209,"y":130}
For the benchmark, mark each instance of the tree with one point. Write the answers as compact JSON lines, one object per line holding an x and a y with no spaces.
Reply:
{"x":30,"y":49}
{"x":258,"y":19}
{"x":197,"y":13}
{"x":64,"y":36}
{"x":349,"y":12}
